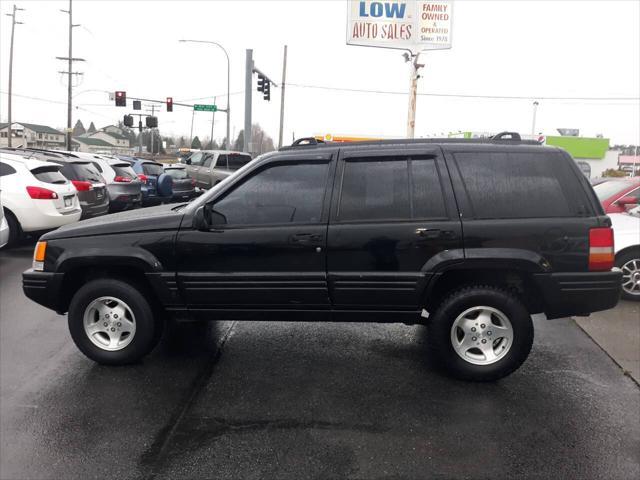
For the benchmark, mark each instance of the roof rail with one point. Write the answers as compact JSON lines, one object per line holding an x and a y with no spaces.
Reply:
{"x":504,"y":135}
{"x":306,"y":141}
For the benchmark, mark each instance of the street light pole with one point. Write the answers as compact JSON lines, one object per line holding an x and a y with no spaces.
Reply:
{"x":533,"y":122}
{"x":228,"y":83}
{"x":13,"y":27}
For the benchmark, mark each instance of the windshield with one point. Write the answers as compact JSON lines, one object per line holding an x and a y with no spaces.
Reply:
{"x":152,"y":169}
{"x":608,"y":189}
{"x":177,"y":173}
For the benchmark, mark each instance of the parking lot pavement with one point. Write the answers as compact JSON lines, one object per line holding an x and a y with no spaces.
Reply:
{"x":286,"y":400}
{"x":618,"y":333}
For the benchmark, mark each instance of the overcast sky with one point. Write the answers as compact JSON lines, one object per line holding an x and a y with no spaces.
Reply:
{"x":505,"y":48}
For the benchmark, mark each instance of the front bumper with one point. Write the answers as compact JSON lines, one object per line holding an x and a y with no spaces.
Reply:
{"x":567,"y":294}
{"x":43,"y":288}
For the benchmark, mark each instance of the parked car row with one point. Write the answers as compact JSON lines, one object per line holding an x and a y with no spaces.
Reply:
{"x":44,"y":189}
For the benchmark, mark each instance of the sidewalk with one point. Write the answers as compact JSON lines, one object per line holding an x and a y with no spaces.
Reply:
{"x":617,"y":331}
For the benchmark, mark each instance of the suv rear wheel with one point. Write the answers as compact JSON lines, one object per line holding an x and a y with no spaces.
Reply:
{"x":112,"y":322}
{"x":629,"y":263}
{"x":481,"y":333}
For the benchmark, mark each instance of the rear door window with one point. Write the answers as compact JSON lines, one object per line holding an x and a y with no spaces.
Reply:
{"x":6,"y":169}
{"x":520,"y":185}
{"x":49,"y":175}
{"x":207,"y":160}
{"x":393,"y":188}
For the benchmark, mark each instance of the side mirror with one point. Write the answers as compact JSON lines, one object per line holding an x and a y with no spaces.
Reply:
{"x":201,"y":218}
{"x":188,"y":161}
{"x":627,"y":201}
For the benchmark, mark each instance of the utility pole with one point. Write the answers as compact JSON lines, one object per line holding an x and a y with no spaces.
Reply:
{"x":13,"y":27}
{"x":213,"y":119}
{"x":413,"y":92}
{"x":193,"y":112}
{"x":70,"y":72}
{"x":533,"y":122}
{"x":248,"y":94}
{"x":284,"y":79}
{"x":153,"y":112}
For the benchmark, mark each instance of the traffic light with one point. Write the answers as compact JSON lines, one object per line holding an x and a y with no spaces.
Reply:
{"x":137,"y":105}
{"x":261,"y":83}
{"x":121,"y":99}
{"x":169,"y":104}
{"x":152,"y":122}
{"x":128,"y":120}
{"x":267,"y":91}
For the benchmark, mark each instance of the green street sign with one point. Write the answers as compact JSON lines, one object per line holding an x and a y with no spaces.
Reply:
{"x":205,"y":108}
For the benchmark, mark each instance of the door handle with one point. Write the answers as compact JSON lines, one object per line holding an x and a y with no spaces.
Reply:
{"x":306,"y":238}
{"x":434,"y":233}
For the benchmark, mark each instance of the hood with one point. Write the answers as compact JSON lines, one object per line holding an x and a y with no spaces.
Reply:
{"x":139,"y":220}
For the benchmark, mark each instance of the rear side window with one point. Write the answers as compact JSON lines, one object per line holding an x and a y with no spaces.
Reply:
{"x":520,"y":185}
{"x":398,"y":188}
{"x":98,"y":167}
{"x":49,"y":175}
{"x":6,"y":169}
{"x":152,"y":169}
{"x":236,"y":161}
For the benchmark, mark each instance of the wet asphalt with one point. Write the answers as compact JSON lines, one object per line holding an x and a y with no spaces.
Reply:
{"x":285,"y":400}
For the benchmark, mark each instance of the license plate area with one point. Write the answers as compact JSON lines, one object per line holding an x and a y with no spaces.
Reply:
{"x":68,"y":201}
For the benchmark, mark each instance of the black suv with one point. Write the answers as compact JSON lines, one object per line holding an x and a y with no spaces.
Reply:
{"x":469,"y":238}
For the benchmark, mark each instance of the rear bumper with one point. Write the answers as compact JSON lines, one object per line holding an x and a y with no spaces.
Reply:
{"x":43,"y":288}
{"x":94,"y":210}
{"x":567,"y":294}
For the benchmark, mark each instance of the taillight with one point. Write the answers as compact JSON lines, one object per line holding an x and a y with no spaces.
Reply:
{"x":82,"y":186}
{"x":601,"y":251}
{"x":122,"y":179}
{"x":143,"y":178}
{"x":193,"y":182}
{"x":39,"y":193}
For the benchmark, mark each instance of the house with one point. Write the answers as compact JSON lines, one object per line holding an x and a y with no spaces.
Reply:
{"x":92,"y":145}
{"x":31,"y":135}
{"x":113,"y":136}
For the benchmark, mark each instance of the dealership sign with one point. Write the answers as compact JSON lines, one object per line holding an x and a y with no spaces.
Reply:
{"x":408,"y":25}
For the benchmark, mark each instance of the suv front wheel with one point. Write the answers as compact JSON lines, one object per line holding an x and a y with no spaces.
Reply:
{"x":112,"y":322}
{"x":481,"y":333}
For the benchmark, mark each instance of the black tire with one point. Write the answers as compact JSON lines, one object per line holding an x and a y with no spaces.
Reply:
{"x":15,"y":231}
{"x":623,"y":259}
{"x":440,"y":332}
{"x":147,"y":332}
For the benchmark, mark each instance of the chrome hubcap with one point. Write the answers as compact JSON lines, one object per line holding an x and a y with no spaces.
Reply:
{"x":482,"y":335}
{"x":109,"y":323}
{"x":631,"y":277}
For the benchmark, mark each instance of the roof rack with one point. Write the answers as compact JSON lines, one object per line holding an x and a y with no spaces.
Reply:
{"x":509,"y":138}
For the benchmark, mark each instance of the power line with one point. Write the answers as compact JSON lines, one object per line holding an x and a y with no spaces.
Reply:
{"x":456,"y":95}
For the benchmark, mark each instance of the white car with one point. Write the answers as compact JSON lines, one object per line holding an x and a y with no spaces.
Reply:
{"x":626,"y":233}
{"x":4,"y":227}
{"x":35,"y":196}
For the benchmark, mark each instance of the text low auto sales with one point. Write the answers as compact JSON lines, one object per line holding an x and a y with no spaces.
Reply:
{"x":398,"y":24}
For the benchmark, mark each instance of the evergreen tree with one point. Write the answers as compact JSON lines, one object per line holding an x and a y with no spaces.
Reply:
{"x":78,"y":129}
{"x":92,"y":128}
{"x":196,"y":143}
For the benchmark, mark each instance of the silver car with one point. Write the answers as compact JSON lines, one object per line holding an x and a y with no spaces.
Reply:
{"x":209,"y":167}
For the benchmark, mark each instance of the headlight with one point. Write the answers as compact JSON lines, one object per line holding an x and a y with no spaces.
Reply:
{"x":38,"y":256}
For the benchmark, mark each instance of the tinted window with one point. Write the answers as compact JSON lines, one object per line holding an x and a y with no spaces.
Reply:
{"x":391,"y":188}
{"x":519,"y":184}
{"x":6,"y":169}
{"x":152,"y":169}
{"x":176,"y":173}
{"x":124,"y":171}
{"x":290,"y":193}
{"x":222,"y":161}
{"x":85,"y":172}
{"x":235,"y":160}
{"x":49,"y":175}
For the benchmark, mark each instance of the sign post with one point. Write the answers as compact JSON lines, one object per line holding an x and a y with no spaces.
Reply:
{"x":412,"y":25}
